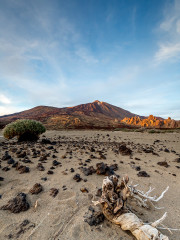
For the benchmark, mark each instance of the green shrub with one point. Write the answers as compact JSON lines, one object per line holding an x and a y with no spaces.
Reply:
{"x":25,"y":130}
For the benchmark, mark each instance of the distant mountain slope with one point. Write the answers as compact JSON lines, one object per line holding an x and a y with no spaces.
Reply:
{"x":96,"y":114}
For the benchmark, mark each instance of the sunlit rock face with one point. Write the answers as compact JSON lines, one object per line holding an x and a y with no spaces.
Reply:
{"x":152,"y":121}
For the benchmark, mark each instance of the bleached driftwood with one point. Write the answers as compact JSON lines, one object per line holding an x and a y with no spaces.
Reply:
{"x":114,"y":201}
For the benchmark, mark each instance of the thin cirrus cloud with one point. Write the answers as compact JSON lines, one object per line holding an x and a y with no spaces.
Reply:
{"x":169,"y":45}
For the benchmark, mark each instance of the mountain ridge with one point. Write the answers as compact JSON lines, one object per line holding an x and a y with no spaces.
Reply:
{"x":97,"y":114}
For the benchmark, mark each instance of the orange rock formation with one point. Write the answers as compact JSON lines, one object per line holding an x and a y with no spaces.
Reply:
{"x":152,"y":121}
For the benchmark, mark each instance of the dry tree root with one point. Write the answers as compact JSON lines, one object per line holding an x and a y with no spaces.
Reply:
{"x":114,"y":199}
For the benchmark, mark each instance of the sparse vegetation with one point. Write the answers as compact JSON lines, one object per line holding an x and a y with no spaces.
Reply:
{"x":24,"y":130}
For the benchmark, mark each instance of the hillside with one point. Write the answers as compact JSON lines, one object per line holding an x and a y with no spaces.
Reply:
{"x":91,"y":115}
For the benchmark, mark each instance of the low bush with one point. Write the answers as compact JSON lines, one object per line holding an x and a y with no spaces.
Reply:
{"x":24,"y":130}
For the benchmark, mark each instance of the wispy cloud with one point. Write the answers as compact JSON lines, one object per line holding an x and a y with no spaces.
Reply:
{"x":167,"y":52}
{"x":169,"y":28}
{"x":4,"y":99}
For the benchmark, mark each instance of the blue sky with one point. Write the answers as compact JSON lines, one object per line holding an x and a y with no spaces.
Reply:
{"x":64,"y":53}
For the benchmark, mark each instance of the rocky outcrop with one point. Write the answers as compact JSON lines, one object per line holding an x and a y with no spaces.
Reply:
{"x":152,"y":121}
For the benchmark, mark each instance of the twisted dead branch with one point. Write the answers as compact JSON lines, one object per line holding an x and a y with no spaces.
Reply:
{"x":114,"y":201}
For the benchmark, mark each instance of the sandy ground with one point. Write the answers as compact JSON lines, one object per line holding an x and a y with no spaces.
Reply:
{"x":62,"y":217}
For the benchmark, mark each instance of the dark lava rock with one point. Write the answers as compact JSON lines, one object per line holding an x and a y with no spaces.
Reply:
{"x":164,"y":164}
{"x":166,"y":150}
{"x":26,"y":160}
{"x":93,"y":217}
{"x":21,"y":155}
{"x":23,"y":169}
{"x":50,"y":172}
{"x":1,"y":179}
{"x":77,"y":177}
{"x":143,"y":174}
{"x":102,"y":156}
{"x":53,"y":192}
{"x":17,"y":204}
{"x":5,"y":169}
{"x":44,"y":178}
{"x":56,"y":163}
{"x":88,"y":171}
{"x":137,"y":168}
{"x":104,"y":169}
{"x":40,"y":167}
{"x":15,"y":165}
{"x":37,"y":188}
{"x":177,"y":160}
{"x":6,"y":156}
{"x":11,"y":161}
{"x":72,"y":170}
{"x":43,"y":158}
{"x":124,"y":150}
{"x":50,"y":147}
{"x":114,"y":167}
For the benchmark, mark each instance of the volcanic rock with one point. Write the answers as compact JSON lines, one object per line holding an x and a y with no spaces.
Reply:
{"x":17,"y":204}
{"x":93,"y":217}
{"x":124,"y":150}
{"x":143,"y":174}
{"x":40,"y":167}
{"x":88,"y":171}
{"x":77,"y":177}
{"x":164,"y":164}
{"x":37,"y":188}
{"x":53,"y":192}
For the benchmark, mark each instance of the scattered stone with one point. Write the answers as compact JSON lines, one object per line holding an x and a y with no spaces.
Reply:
{"x":164,"y":164}
{"x":53,"y":192}
{"x":143,"y":174}
{"x":21,"y":155}
{"x":23,"y":169}
{"x":11,"y":161}
{"x":17,"y":204}
{"x":77,"y":177}
{"x":124,"y":150}
{"x":137,"y":168}
{"x":50,"y":147}
{"x":88,"y":171}
{"x":56,"y":163}
{"x":5,"y":169}
{"x":84,"y":190}
{"x":72,"y":170}
{"x":44,"y":178}
{"x":1,"y":179}
{"x":104,"y":169}
{"x":37,"y":188}
{"x":93,"y":217}
{"x":177,"y":160}
{"x":50,"y":172}
{"x":40,"y":167}
{"x":166,"y":150}
{"x":6,"y":156}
